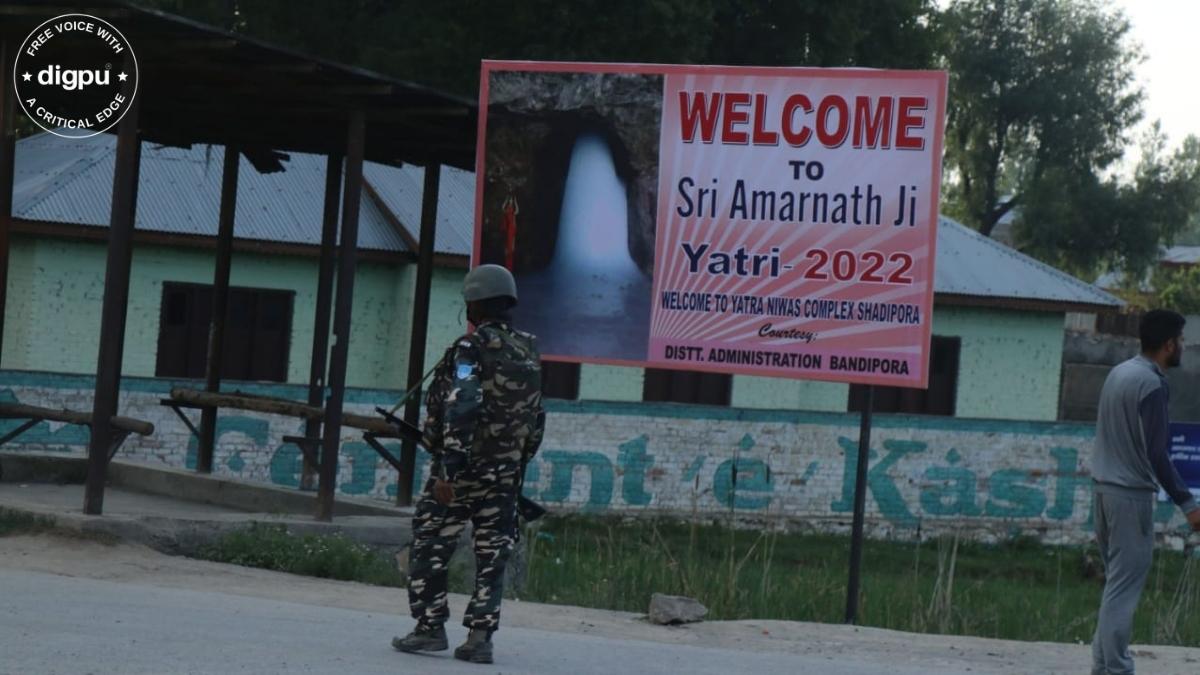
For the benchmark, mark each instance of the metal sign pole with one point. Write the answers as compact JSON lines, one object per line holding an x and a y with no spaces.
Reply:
{"x":860,"y":503}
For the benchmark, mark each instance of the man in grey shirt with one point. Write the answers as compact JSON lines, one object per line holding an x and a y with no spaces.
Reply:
{"x":1130,"y":461}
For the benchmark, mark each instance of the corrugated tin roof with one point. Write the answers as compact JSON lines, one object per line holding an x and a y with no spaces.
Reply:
{"x":1175,"y":256}
{"x":71,"y":181}
{"x":179,"y":191}
{"x":400,"y":189}
{"x":1181,"y":255}
{"x":971,"y":264}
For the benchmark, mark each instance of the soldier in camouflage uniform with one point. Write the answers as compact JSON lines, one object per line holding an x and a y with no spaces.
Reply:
{"x":484,"y":420}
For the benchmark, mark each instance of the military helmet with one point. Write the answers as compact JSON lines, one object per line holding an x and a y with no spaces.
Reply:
{"x":489,"y":281}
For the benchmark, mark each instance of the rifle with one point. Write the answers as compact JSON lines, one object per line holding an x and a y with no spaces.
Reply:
{"x":527,"y":508}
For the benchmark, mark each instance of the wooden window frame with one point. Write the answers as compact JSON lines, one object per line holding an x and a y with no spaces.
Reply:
{"x":560,"y":380}
{"x":194,"y":351}
{"x":687,"y":386}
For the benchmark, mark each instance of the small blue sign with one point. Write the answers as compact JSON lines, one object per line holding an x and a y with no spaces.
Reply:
{"x":1185,"y":454}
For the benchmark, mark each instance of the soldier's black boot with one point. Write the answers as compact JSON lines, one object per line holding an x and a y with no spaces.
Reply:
{"x":422,"y":639}
{"x":477,"y":648}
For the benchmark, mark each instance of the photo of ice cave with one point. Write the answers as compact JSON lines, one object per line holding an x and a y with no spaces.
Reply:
{"x":569,"y":206}
{"x":587,"y":300}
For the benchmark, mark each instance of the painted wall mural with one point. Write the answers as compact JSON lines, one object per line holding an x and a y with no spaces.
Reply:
{"x":987,"y":479}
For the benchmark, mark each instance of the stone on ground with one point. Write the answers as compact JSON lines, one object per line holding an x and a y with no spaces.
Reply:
{"x":674,"y":609}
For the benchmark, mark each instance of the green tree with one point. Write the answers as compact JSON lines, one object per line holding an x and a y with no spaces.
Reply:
{"x":1078,"y":222}
{"x":1177,"y":288}
{"x":1042,"y":93}
{"x":1190,"y":236}
{"x":441,"y":44}
{"x":894,"y":34}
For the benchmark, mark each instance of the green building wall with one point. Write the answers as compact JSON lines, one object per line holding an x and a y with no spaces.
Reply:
{"x":1010,"y":361}
{"x":56,"y":288}
{"x":1009,"y":368}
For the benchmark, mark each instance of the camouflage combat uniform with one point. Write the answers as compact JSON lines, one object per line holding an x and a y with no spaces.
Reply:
{"x":483,"y":416}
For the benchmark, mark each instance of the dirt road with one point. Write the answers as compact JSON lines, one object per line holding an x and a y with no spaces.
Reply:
{"x":129,"y":609}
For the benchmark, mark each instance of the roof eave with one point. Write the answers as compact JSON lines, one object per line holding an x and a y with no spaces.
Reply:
{"x":1023,"y":304}
{"x":99,"y":233}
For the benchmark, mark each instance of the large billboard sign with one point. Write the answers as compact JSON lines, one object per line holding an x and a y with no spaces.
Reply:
{"x":762,"y":221}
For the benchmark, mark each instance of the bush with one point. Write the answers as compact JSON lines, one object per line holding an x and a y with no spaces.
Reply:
{"x":13,"y":523}
{"x":330,"y":557}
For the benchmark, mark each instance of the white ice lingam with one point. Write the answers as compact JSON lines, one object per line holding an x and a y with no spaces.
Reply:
{"x":591,"y":261}
{"x":591,"y":299}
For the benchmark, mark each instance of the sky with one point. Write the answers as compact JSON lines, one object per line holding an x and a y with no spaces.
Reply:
{"x":1167,"y":31}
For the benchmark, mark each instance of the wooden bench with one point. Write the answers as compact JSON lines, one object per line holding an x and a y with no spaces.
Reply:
{"x":374,"y":428}
{"x":122,"y":426}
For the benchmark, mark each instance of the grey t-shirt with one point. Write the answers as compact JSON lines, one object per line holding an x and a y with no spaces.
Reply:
{"x":1133,"y":435}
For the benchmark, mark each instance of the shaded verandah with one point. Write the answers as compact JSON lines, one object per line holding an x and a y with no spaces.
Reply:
{"x":203,"y":85}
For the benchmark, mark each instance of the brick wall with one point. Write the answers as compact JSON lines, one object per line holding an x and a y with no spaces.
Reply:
{"x":989,"y":479}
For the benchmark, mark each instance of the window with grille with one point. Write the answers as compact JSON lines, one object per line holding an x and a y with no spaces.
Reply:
{"x":560,"y":380}
{"x":683,"y":386}
{"x":258,"y":332}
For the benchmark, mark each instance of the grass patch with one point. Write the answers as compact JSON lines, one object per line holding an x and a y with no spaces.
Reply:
{"x":330,"y":557}
{"x":1016,"y":590}
{"x":13,"y":523}
{"x":1019,"y":589}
